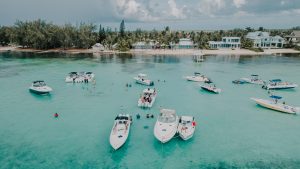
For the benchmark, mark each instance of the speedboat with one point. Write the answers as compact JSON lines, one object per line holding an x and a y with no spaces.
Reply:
{"x":148,"y":98}
{"x":239,"y":81}
{"x":211,"y":88}
{"x":40,"y":87}
{"x":278,"y":84}
{"x":166,"y":125}
{"x":142,"y":79}
{"x":197,"y":77}
{"x":253,"y":80}
{"x":186,"y":127}
{"x":275,"y":105}
{"x":80,"y":77}
{"x":120,"y":130}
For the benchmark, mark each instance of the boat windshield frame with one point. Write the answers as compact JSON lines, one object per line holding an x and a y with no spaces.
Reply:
{"x":166,"y":118}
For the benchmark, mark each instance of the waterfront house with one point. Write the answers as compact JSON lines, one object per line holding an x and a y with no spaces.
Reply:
{"x":293,"y":38}
{"x":185,"y":43}
{"x":264,"y":40}
{"x":144,"y":45}
{"x":98,"y":47}
{"x":227,"y":42}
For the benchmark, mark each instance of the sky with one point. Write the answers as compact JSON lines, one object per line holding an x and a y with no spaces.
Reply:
{"x":157,"y":14}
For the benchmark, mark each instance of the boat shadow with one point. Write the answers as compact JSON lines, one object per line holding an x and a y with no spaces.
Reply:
{"x":42,"y":96}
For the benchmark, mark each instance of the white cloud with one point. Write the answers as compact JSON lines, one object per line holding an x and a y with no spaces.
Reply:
{"x":239,"y":3}
{"x":175,"y":11}
{"x":209,"y":7}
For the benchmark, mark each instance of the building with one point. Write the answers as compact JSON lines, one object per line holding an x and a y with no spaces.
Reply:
{"x":98,"y":47}
{"x":227,"y":42}
{"x":144,"y":45}
{"x":264,"y":40}
{"x":185,"y":43}
{"x":293,"y":38}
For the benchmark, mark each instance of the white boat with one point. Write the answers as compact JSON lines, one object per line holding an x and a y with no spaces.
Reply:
{"x":148,"y":98}
{"x":253,"y":80}
{"x":186,"y":127}
{"x":197,"y":77}
{"x":142,"y":79}
{"x":40,"y":87}
{"x":120,"y":130}
{"x":277,"y":84}
{"x":275,"y":105}
{"x":80,"y":77}
{"x":211,"y":88}
{"x":166,"y":125}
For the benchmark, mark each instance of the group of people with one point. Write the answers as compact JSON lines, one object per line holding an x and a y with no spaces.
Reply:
{"x":147,"y":97}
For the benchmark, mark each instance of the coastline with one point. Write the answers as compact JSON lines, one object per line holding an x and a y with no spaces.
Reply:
{"x":175,"y":52}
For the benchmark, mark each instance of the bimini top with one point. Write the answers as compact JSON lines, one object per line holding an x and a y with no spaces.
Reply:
{"x":122,"y":117}
{"x":275,"y":97}
{"x":254,"y":75}
{"x":73,"y":73}
{"x":275,"y":80}
{"x":197,"y":73}
{"x":89,"y":73}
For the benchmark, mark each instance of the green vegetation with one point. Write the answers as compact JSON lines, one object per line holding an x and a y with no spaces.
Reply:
{"x":40,"y":34}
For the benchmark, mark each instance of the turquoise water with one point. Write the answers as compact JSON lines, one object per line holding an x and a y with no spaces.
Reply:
{"x":232,"y":131}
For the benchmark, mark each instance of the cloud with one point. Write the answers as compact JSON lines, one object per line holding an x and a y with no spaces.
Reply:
{"x":210,"y":7}
{"x":239,"y":3}
{"x":175,"y":11}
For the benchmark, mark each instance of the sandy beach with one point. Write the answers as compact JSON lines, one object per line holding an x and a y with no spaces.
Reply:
{"x":177,"y":52}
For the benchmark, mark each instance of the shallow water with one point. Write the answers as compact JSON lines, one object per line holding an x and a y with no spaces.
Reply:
{"x":232,"y":131}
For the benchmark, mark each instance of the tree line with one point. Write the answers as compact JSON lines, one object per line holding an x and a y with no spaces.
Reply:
{"x":39,"y":34}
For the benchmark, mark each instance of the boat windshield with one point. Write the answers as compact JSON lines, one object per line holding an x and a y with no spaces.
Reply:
{"x":167,"y":118}
{"x":39,"y":84}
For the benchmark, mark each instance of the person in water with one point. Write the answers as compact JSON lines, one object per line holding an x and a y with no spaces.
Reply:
{"x":56,"y":115}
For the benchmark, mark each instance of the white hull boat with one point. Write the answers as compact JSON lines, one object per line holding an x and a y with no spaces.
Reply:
{"x":275,"y":105}
{"x":148,"y":98}
{"x":142,"y":79}
{"x":197,"y":78}
{"x":211,"y":88}
{"x":120,"y":130}
{"x":277,"y":84}
{"x":166,"y":125}
{"x":186,"y":127}
{"x":40,"y":87}
{"x":81,"y":77}
{"x":253,"y":80}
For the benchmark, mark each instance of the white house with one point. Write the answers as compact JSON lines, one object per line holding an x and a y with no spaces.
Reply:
{"x":227,"y":42}
{"x":264,"y":40}
{"x":294,"y":38}
{"x":98,"y":47}
{"x":144,"y":45}
{"x":185,"y":43}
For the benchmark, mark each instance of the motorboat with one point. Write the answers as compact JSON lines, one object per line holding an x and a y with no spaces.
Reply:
{"x":120,"y":130}
{"x":277,"y":84}
{"x":147,"y":98}
{"x":211,"y":88}
{"x":239,"y":81}
{"x":275,"y":105}
{"x":254,"y":79}
{"x":40,"y":87}
{"x":197,"y":77}
{"x":142,"y":79}
{"x":80,"y":77}
{"x":186,"y":127}
{"x":166,"y":125}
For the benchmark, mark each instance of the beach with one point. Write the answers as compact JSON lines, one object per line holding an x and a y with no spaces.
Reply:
{"x":177,"y":52}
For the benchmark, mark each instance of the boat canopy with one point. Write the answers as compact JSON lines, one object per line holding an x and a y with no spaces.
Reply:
{"x":197,"y":73}
{"x":254,"y":75}
{"x":275,"y":80}
{"x":89,"y":73}
{"x":275,"y":97}
{"x":75,"y":73}
{"x":39,"y":81}
{"x":122,"y":117}
{"x":187,"y":118}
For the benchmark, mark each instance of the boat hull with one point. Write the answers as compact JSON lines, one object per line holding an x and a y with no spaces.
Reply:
{"x":117,"y":140}
{"x":216,"y":91}
{"x":276,"y":106}
{"x":164,"y":132}
{"x":40,"y":91}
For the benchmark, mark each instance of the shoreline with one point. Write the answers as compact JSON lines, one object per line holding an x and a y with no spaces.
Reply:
{"x":175,"y":52}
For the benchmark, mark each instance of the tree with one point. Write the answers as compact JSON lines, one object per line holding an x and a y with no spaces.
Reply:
{"x":261,"y":28}
{"x":246,"y":43}
{"x":122,"y":29}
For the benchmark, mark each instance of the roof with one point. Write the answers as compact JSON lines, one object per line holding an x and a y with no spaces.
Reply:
{"x":257,"y":34}
{"x":295,"y":34}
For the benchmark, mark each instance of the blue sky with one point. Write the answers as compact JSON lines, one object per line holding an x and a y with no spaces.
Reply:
{"x":149,"y":14}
